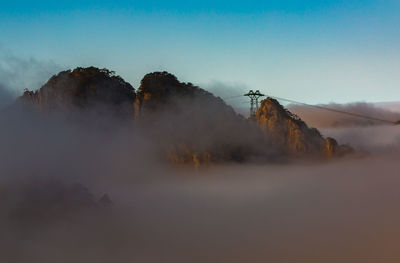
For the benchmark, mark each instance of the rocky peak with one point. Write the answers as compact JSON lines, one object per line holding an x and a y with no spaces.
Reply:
{"x":159,"y":90}
{"x":82,"y":88}
{"x":293,"y":134}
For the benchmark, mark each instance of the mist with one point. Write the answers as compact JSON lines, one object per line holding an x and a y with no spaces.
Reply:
{"x":365,"y":135}
{"x":344,"y":210}
{"x":375,"y":140}
{"x":320,"y":118}
{"x":231,"y":93}
{"x":18,"y":73}
{"x":6,"y":97}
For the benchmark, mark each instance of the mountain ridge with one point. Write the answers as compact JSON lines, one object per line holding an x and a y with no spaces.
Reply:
{"x":191,"y":125}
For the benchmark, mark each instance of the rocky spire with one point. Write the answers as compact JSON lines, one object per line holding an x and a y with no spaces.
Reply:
{"x":292,"y":134}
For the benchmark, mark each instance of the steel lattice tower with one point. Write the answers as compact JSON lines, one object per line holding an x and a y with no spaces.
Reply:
{"x":254,"y":101}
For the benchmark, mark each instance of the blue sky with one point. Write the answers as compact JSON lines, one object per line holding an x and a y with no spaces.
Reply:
{"x":312,"y":51}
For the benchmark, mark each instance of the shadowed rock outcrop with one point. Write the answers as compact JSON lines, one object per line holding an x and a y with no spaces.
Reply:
{"x":160,"y":91}
{"x":293,"y":134}
{"x":194,"y":126}
{"x":83,"y":89}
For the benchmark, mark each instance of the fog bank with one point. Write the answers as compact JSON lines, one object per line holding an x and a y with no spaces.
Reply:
{"x":344,"y":210}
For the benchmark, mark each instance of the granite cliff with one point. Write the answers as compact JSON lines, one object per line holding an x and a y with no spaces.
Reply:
{"x":293,"y":134}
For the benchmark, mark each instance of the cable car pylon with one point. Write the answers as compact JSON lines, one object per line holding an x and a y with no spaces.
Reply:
{"x":254,"y":96}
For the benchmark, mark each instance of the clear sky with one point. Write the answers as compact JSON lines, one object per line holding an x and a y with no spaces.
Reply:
{"x":312,"y":51}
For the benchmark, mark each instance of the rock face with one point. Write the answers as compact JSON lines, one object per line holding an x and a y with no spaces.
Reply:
{"x":160,"y":91}
{"x":83,"y":88}
{"x":194,"y":126}
{"x":293,"y":134}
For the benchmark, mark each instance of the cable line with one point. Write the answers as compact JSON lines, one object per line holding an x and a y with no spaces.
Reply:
{"x":328,"y":109}
{"x":337,"y":111}
{"x":233,"y":97}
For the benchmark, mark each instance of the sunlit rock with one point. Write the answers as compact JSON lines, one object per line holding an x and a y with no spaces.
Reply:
{"x":292,"y":134}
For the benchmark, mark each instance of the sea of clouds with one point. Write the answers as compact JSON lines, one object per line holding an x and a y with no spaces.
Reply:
{"x":344,"y":210}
